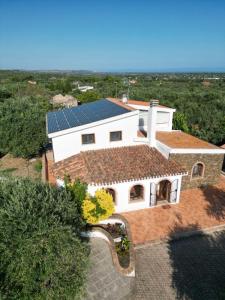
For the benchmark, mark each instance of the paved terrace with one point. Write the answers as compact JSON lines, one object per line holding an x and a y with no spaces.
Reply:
{"x":198,"y":209}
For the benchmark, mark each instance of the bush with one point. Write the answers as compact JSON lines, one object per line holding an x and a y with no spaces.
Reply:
{"x":180,"y":122}
{"x":42,"y":256}
{"x":78,"y":191}
{"x":99,"y":207}
{"x":38,"y":166}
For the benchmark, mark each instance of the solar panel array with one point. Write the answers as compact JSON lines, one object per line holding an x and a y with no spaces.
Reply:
{"x":83,"y":114}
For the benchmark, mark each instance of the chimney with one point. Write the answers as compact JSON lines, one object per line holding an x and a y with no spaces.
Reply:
{"x":124,"y":98}
{"x":152,"y":115}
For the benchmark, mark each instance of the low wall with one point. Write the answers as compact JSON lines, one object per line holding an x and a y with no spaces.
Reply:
{"x":97,"y":232}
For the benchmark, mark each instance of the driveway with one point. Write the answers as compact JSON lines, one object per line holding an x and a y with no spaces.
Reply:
{"x":104,"y":282}
{"x":191,"y":268}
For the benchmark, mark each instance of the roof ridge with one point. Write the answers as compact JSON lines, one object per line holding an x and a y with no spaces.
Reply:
{"x":118,"y":147}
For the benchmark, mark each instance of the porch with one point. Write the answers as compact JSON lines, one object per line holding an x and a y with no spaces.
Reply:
{"x":198,"y":209}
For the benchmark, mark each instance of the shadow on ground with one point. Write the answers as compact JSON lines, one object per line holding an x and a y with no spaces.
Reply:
{"x":198,"y":264}
{"x":215,"y":198}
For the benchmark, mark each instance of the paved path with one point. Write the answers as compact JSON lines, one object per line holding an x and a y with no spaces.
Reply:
{"x":104,"y":282}
{"x":192,"y":268}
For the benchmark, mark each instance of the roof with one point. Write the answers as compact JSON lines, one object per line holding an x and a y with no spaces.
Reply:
{"x":83,"y":114}
{"x":106,"y":166}
{"x":223,"y":146}
{"x":136,"y":102}
{"x":143,"y":103}
{"x":180,"y":139}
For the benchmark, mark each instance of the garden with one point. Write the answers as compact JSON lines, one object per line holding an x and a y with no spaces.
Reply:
{"x":98,"y":213}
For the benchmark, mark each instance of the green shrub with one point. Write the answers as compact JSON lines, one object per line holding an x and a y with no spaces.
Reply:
{"x":38,"y":166}
{"x":42,"y":255}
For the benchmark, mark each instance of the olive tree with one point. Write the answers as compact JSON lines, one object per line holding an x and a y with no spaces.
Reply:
{"x":42,"y":255}
{"x":22,"y":123}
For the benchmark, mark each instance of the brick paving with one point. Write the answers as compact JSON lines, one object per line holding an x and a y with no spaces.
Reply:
{"x":104,"y":281}
{"x":191,"y":268}
{"x":199,"y":208}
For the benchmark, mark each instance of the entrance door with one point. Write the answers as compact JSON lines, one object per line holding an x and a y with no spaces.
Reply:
{"x":163,"y":191}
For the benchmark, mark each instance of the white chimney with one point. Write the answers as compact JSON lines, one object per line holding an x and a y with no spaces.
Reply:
{"x":124,"y":98}
{"x":152,"y":116}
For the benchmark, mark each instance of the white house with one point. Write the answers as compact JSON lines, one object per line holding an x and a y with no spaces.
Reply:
{"x":129,"y":148}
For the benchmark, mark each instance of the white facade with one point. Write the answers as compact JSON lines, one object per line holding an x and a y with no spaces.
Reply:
{"x":69,"y":142}
{"x":164,"y":119}
{"x":122,"y":192}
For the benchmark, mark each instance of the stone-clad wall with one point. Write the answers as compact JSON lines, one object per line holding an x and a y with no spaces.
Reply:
{"x":213,"y":165}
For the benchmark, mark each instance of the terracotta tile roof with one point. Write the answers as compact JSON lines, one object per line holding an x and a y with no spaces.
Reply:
{"x":223,"y":146}
{"x":180,"y":139}
{"x":131,"y":101}
{"x":120,"y":164}
{"x":120,"y":103}
{"x":144,"y":103}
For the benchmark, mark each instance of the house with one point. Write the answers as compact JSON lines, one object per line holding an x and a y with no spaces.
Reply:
{"x":129,"y":148}
{"x":32,"y":82}
{"x":85,"y":88}
{"x":66,"y":100}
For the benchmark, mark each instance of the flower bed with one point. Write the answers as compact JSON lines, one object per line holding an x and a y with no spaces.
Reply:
{"x":118,"y":232}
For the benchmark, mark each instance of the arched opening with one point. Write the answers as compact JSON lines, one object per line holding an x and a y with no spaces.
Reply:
{"x":112,"y":193}
{"x":163,"y":191}
{"x":197,"y":170}
{"x":137,"y":193}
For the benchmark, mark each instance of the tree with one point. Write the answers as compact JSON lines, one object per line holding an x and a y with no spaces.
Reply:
{"x":180,"y":122}
{"x":99,"y":207}
{"x":4,"y":94}
{"x":78,"y":191}
{"x":88,"y":96}
{"x":42,"y":255}
{"x":22,"y":123}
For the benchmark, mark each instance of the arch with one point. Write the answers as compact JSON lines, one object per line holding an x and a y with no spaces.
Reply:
{"x":163,"y":190}
{"x":137,"y":193}
{"x":112,"y":192}
{"x":198,"y":170}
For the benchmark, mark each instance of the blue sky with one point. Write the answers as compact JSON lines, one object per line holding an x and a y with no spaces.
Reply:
{"x":113,"y":35}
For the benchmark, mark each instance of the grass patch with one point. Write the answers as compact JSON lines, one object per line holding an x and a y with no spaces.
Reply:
{"x":38,"y":166}
{"x":8,"y":171}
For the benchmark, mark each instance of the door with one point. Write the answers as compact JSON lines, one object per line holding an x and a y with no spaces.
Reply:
{"x":163,"y":190}
{"x":173,"y":192}
{"x":152,"y":194}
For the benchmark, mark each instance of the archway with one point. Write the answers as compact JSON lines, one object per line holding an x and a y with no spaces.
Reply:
{"x":163,"y":191}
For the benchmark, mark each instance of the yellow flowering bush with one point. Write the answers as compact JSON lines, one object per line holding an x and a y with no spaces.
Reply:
{"x":99,"y":207}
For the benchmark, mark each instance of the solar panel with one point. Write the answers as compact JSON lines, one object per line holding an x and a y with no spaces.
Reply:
{"x":84,"y":114}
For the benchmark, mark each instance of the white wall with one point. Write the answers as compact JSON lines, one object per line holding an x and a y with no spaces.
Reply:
{"x":70,"y":144}
{"x":123,"y":193}
{"x":163,"y":120}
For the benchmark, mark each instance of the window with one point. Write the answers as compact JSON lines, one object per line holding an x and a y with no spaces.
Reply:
{"x":88,"y":138}
{"x":115,"y":136}
{"x":197,"y":170}
{"x":137,"y":193}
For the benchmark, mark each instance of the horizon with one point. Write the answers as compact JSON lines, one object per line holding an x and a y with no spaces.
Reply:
{"x":171,"y":71}
{"x":73,"y":35}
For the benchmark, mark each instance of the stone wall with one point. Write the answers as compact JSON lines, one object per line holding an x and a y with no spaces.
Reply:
{"x":213,"y":165}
